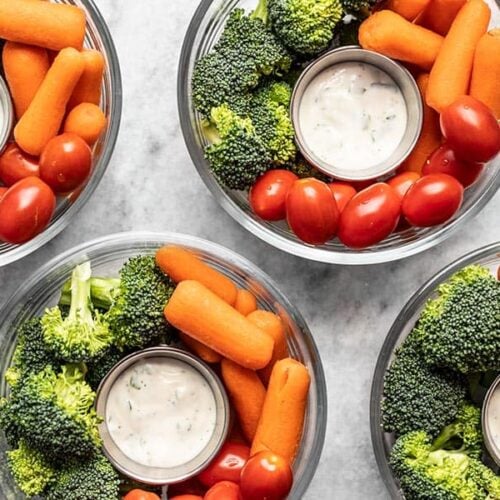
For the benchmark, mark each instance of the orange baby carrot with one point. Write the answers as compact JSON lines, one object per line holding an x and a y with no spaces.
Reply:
{"x":42,"y":120}
{"x":88,"y":88}
{"x":409,"y":9}
{"x":181,"y":264}
{"x":204,"y":316}
{"x":273,"y":326}
{"x":87,"y":121}
{"x":392,"y":35}
{"x":485,"y":82}
{"x":201,"y":350}
{"x":25,"y":68}
{"x":50,"y":25}
{"x":280,"y":425}
{"x":450,"y":75}
{"x":440,"y":14}
{"x":430,"y":137}
{"x":247,"y":393}
{"x":245,"y":302}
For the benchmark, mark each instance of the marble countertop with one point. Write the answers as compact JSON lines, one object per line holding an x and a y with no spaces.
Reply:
{"x":151,"y":184}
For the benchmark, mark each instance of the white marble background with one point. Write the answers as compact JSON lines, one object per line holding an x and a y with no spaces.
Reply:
{"x":152,"y":185}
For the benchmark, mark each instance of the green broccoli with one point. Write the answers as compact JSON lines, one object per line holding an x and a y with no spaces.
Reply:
{"x":136,"y":316}
{"x":357,"y":7}
{"x":426,"y":473}
{"x":303,"y":170}
{"x":53,"y":412}
{"x":30,"y":469}
{"x":103,"y":292}
{"x":305,"y":27}
{"x":460,"y":328}
{"x":97,"y":370}
{"x":95,"y":479}
{"x":246,"y":51}
{"x":83,"y":334}
{"x":418,"y":397}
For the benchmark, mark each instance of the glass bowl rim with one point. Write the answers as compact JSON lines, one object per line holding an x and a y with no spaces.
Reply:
{"x":18,"y":252}
{"x":387,"y":349}
{"x":268,"y":235}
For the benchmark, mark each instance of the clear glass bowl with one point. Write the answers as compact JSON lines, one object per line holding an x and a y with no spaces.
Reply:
{"x":488,"y":256}
{"x":204,"y":30}
{"x":106,"y":256}
{"x":97,"y":37}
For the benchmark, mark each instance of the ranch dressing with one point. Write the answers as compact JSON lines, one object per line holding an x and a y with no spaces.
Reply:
{"x":352,"y":116}
{"x":493,"y":419}
{"x":161,"y":412}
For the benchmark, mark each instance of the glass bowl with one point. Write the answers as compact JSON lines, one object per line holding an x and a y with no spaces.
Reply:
{"x":97,"y":37}
{"x":488,"y":256}
{"x":204,"y":30}
{"x":106,"y":256}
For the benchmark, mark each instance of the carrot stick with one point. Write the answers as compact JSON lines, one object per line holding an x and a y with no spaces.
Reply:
{"x":201,"y":350}
{"x":485,"y":82}
{"x":25,"y":68}
{"x":440,"y":14}
{"x":273,"y":326}
{"x":88,"y":88}
{"x":87,"y":121}
{"x":392,"y":35}
{"x":409,"y":9}
{"x":280,"y":425}
{"x":45,"y":24}
{"x":247,"y":394}
{"x":245,"y":302}
{"x":450,"y":75}
{"x":430,"y":137}
{"x":204,"y":316}
{"x":182,"y":265}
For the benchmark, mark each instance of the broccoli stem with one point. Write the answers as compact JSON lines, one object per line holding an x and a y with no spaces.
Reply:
{"x":103,"y":292}
{"x":447,"y":435}
{"x":80,"y":294}
{"x":260,"y":12}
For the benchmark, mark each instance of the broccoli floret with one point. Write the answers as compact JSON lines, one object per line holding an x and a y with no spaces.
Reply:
{"x":54,"y":413}
{"x":30,"y":469}
{"x":96,"y":371}
{"x":305,"y":27}
{"x":418,"y":397}
{"x":83,"y":334}
{"x":460,"y":328}
{"x":303,"y":170}
{"x":9,"y":423}
{"x":426,"y":473}
{"x":136,"y":317}
{"x":95,"y":479}
{"x":103,"y":292}
{"x":246,"y":51}
{"x":237,"y":155}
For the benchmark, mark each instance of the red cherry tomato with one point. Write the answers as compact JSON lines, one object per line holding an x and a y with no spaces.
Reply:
{"x":186,"y":497}
{"x":342,"y":192}
{"x":312,"y":211}
{"x":225,"y":490}
{"x":227,"y":465}
{"x":268,"y":194}
{"x":15,"y":165}
{"x":65,"y":163}
{"x":471,"y":130}
{"x":445,"y":161}
{"x":432,"y":200}
{"x":402,"y":182}
{"x":3,"y":190}
{"x":141,"y":495}
{"x":25,"y":210}
{"x":370,"y":216}
{"x":266,"y":476}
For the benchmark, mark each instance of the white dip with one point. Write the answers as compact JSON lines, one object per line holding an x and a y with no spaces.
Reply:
{"x":352,"y":116}
{"x":161,"y":412}
{"x":493,"y":419}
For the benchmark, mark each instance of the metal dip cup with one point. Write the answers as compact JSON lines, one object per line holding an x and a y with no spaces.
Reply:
{"x":8,"y":113}
{"x":492,"y":446}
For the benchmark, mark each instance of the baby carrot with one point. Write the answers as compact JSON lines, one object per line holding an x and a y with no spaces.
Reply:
{"x":204,"y":316}
{"x":201,"y":350}
{"x":181,"y":264}
{"x":485,"y":82}
{"x":88,"y":88}
{"x":392,"y":35}
{"x":430,"y":137}
{"x":25,"y":68}
{"x":409,"y":9}
{"x":245,"y":302}
{"x":42,"y":120}
{"x":273,"y":326}
{"x":439,"y":15}
{"x":280,"y":425}
{"x":450,"y":75}
{"x":87,"y":121}
{"x":247,"y":394}
{"x":45,"y":24}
